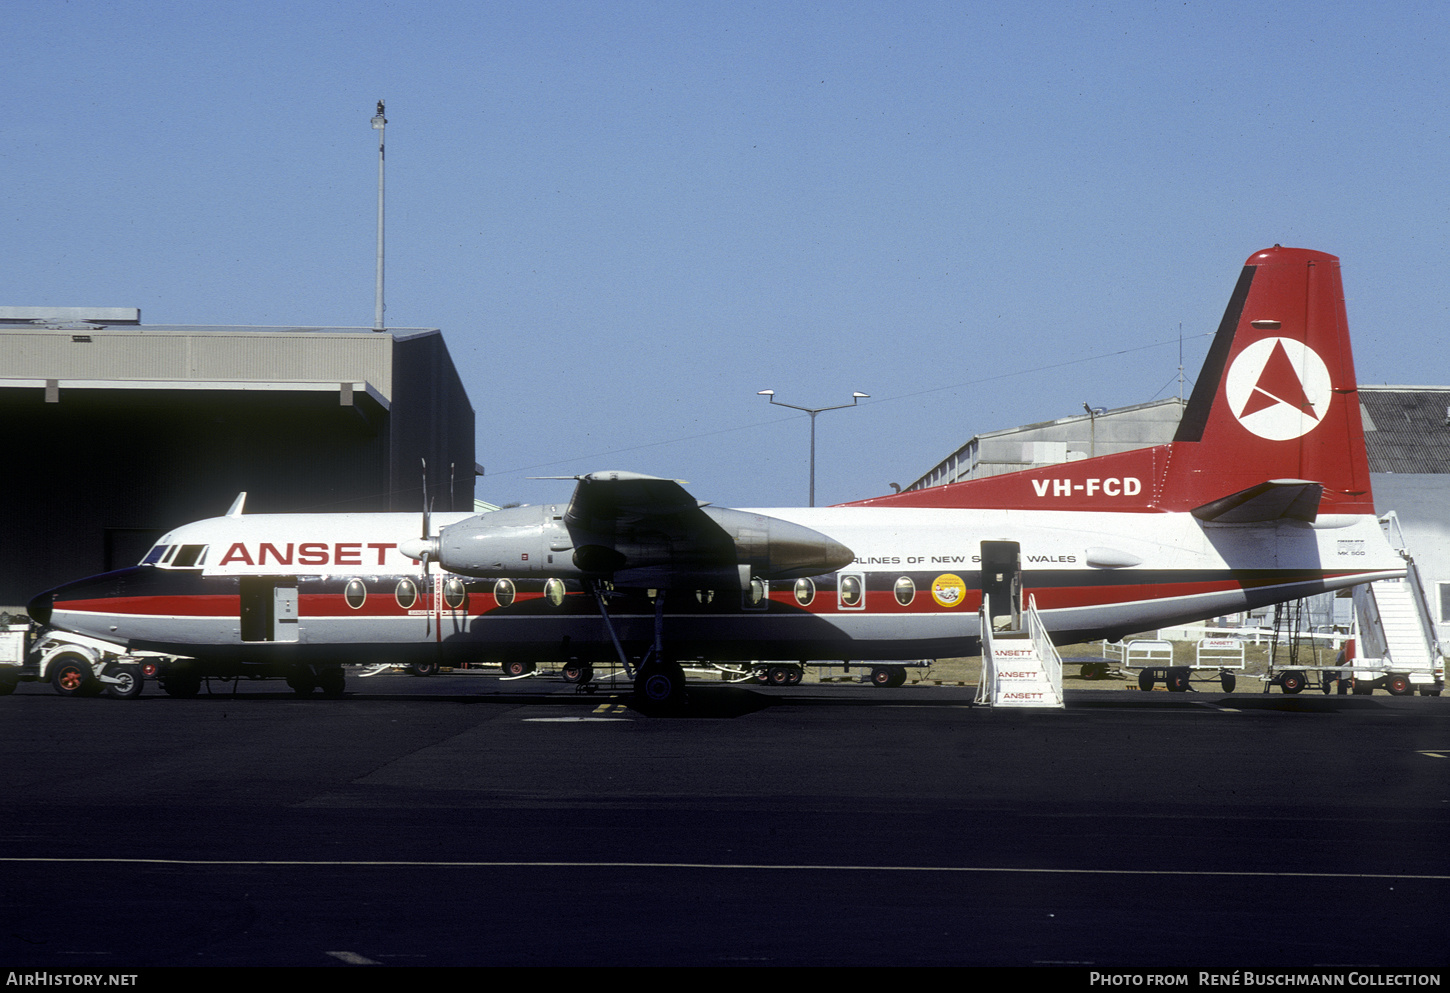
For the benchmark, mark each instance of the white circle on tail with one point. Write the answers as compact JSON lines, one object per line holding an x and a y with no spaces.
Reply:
{"x":1278,"y":388}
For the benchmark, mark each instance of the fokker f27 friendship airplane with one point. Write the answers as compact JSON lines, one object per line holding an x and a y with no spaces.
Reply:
{"x":1263,"y":496}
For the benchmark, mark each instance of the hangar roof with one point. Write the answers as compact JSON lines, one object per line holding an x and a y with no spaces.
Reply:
{"x":1407,"y":428}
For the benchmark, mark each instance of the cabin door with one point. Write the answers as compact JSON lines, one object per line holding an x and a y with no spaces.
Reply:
{"x":268,"y":608}
{"x":1002,"y":583}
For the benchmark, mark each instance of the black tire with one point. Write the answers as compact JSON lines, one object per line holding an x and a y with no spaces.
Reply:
{"x":1227,"y":681}
{"x":793,"y":675}
{"x":1145,"y":680}
{"x":424,"y":668}
{"x":7,"y":685}
{"x":881,"y":676}
{"x":182,"y":683}
{"x":1178,"y":680}
{"x":332,"y":681}
{"x":301,"y":680}
{"x":578,"y":672}
{"x":130,"y":681}
{"x":778,"y":675}
{"x":71,"y":674}
{"x":1399,"y":685}
{"x":517,"y":667}
{"x":660,"y":685}
{"x":1292,"y":682}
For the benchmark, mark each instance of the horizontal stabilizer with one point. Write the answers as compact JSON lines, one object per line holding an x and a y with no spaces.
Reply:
{"x":1275,"y":500}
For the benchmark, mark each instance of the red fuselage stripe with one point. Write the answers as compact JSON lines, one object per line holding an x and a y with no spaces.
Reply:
{"x":333,"y":606}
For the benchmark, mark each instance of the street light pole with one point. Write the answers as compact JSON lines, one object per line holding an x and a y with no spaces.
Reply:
{"x":813,"y":411}
{"x":379,"y":123}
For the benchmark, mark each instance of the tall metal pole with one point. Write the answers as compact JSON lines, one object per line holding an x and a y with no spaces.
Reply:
{"x":813,"y":411}
{"x":379,"y":123}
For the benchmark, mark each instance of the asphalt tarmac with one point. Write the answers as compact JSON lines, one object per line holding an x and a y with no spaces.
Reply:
{"x":463,"y":820}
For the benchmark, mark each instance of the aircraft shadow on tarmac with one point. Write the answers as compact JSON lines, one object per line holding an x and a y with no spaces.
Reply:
{"x":715,"y":701}
{"x":703,"y":701}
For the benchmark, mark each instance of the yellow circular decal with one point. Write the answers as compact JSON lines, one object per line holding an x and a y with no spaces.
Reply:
{"x":948,"y":590}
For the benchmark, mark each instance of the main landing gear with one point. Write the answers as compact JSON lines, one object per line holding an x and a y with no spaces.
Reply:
{"x":658,"y":681}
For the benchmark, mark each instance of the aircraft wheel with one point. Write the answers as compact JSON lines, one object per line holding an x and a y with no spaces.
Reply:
{"x":1227,"y":681}
{"x":1292,"y":682}
{"x":332,"y":681}
{"x":129,"y":681}
{"x":1145,"y":680}
{"x":181,"y":683}
{"x":1400,"y":685}
{"x":71,"y":674}
{"x":660,"y":684}
{"x":424,"y":668}
{"x":1178,"y":680}
{"x":301,"y":680}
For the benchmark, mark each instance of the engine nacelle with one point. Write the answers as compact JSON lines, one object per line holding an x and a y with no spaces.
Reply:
{"x":714,"y":547}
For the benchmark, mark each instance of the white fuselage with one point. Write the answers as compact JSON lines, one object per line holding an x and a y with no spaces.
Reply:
{"x":912,"y":591}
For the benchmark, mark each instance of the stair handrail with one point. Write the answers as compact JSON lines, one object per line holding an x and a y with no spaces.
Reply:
{"x":987,"y":681}
{"x":1043,"y":646}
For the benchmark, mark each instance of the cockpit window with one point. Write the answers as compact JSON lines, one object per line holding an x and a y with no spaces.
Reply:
{"x":189,"y":557}
{"x":154,"y":556}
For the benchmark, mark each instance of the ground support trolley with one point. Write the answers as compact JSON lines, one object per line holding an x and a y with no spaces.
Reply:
{"x":1153,"y":660}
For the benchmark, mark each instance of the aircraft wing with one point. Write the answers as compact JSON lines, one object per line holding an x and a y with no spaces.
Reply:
{"x":638,"y":530}
{"x":607,"y":502}
{"x":628,"y":521}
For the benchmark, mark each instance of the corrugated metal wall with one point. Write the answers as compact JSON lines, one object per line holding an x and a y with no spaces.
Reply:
{"x":207,"y":356}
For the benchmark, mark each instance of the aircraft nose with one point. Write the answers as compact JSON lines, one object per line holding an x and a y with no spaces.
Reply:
{"x":39,"y":607}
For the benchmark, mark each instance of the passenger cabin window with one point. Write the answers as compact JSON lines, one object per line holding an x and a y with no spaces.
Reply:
{"x":504,"y":592}
{"x":355,"y":593}
{"x":454,"y":593}
{"x":406,"y":593}
{"x":805,"y":592}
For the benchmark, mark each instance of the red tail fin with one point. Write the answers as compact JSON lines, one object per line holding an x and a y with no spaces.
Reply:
{"x":1276,"y":401}
{"x":1277,"y":397}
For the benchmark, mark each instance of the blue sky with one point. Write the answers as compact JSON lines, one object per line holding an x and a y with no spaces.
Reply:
{"x":628,"y":218}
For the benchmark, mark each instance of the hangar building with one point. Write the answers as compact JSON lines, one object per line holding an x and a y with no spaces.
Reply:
{"x":1407,"y":439}
{"x":120,"y":431}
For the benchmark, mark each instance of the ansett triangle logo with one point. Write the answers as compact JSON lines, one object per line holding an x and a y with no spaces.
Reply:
{"x":1278,"y":388}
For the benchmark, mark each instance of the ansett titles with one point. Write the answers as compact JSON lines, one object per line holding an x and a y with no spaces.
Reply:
{"x":310,"y":553}
{"x":1110,"y":486}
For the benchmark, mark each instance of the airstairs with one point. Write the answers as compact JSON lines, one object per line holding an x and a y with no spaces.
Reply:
{"x":1396,"y":641}
{"x":1020,"y":668}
